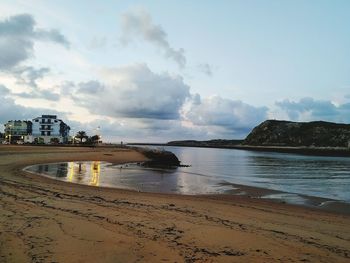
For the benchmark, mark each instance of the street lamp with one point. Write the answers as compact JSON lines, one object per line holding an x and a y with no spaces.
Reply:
{"x":73,"y":137}
{"x":97,"y":130}
{"x":10,"y":133}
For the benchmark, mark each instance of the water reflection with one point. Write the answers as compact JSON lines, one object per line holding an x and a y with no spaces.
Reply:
{"x":74,"y":172}
{"x":70,"y":171}
{"x":61,"y":171}
{"x":320,"y":176}
{"x":95,"y":173}
{"x":213,"y":170}
{"x":127,"y":176}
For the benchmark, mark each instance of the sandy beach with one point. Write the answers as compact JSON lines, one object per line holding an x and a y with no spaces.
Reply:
{"x":44,"y":220}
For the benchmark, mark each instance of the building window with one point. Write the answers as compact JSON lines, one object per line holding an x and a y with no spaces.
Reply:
{"x":42,"y":133}
{"x":48,"y":133}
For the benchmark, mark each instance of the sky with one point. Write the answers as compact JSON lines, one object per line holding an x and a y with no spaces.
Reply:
{"x":155,"y":71}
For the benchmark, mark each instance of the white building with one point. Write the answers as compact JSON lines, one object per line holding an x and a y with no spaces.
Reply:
{"x":48,"y":129}
{"x":16,"y":130}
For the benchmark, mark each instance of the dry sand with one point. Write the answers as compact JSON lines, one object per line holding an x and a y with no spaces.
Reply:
{"x":43,"y":220}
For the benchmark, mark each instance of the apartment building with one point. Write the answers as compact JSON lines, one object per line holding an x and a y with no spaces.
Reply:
{"x":48,"y":129}
{"x":16,"y":130}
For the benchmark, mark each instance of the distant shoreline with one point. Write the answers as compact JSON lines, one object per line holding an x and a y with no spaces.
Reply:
{"x":314,"y":151}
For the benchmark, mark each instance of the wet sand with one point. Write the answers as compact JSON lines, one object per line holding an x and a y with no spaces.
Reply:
{"x":44,"y":220}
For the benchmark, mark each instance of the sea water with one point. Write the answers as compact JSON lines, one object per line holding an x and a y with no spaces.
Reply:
{"x":215,"y":171}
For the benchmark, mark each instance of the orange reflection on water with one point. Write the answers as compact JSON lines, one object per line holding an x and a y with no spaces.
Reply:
{"x":77,"y":172}
{"x":70,"y":171}
{"x":95,"y":173}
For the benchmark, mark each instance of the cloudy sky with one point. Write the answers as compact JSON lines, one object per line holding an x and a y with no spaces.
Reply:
{"x":155,"y":71}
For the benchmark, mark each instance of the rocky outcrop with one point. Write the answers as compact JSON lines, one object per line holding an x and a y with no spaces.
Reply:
{"x":159,"y":158}
{"x":299,"y":134}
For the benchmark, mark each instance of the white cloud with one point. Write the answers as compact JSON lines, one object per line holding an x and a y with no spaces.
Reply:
{"x":309,"y":109}
{"x":134,"y":92}
{"x":225,"y":115}
{"x":139,"y":24}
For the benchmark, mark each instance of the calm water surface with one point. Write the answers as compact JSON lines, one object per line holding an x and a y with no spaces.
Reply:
{"x":212,"y":171}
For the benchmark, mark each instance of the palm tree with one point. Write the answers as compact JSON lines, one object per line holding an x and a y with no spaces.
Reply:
{"x":95,"y":139}
{"x":81,"y":135}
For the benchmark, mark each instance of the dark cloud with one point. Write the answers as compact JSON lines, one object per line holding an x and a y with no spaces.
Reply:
{"x":4,"y":91}
{"x":13,"y":51}
{"x":307,"y":109}
{"x":28,"y":75}
{"x":67,"y":88}
{"x":39,"y":94}
{"x":134,"y":92}
{"x":12,"y":111}
{"x":49,"y":95}
{"x":52,"y":35}
{"x":17,"y":36}
{"x":90,"y":87}
{"x":228,"y":116}
{"x":139,"y":24}
{"x":344,"y":107}
{"x":206,"y":69}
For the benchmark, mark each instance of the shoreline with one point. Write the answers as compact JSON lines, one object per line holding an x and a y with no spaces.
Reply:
{"x":313,"y":151}
{"x":251,"y":192}
{"x":307,"y":201}
{"x":46,"y":220}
